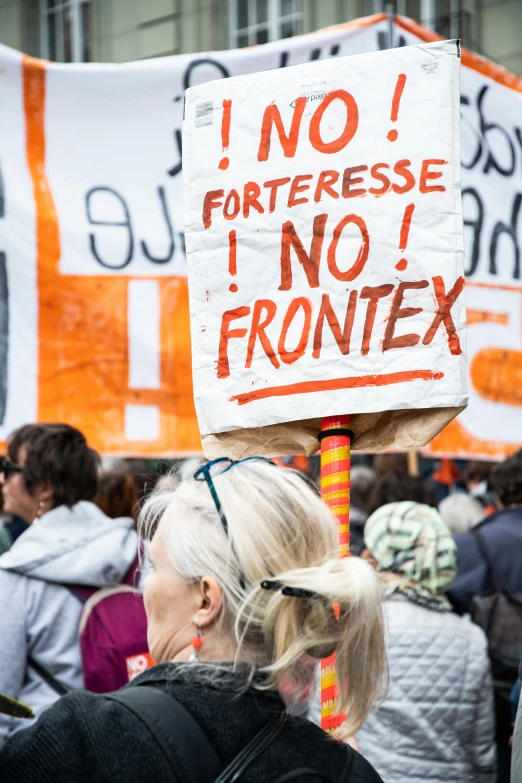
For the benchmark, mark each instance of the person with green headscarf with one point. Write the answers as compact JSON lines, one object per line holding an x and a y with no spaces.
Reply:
{"x":437,"y":721}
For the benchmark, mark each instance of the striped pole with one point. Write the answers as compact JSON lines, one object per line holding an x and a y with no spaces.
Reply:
{"x":335,"y":491}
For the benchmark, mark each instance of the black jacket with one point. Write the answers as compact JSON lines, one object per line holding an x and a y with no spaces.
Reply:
{"x":502,"y":534}
{"x":85,"y":737}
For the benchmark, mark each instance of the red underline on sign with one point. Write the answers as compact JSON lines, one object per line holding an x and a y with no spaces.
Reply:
{"x":307,"y":387}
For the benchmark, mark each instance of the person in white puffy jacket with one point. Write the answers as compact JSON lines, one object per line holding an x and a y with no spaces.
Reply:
{"x":437,"y":721}
{"x":70,"y":541}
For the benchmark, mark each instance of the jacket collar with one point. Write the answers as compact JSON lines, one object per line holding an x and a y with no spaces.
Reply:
{"x":513,"y":515}
{"x":218,"y":676}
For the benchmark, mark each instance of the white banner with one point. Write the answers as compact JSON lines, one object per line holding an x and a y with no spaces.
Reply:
{"x":91,"y":228}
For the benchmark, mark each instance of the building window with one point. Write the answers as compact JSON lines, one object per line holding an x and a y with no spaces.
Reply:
{"x":65,"y":30}
{"x":259,"y":21}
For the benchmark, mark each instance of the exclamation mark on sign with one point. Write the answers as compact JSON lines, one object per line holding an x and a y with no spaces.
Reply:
{"x":405,"y":232}
{"x":225,"y":132}
{"x":232,"y":259}
{"x":142,"y":422}
{"x":397,"y":95}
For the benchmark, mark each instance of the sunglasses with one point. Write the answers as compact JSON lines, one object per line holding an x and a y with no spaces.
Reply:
{"x":216,"y":467}
{"x":7,"y":468}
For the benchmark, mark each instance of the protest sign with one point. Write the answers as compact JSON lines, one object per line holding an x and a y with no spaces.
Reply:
{"x":324,"y":240}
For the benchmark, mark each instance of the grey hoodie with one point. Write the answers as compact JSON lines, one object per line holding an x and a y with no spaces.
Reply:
{"x":39,"y":618}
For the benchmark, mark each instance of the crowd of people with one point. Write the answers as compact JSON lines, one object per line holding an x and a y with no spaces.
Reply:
{"x":175,"y":632}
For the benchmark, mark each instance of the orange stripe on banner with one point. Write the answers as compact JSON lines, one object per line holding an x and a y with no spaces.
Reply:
{"x":83,"y":363}
{"x":47,"y":233}
{"x":483,"y":316}
{"x":307,"y":387}
{"x":468,"y":58}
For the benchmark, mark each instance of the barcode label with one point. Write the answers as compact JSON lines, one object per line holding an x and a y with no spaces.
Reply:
{"x":204,"y":113}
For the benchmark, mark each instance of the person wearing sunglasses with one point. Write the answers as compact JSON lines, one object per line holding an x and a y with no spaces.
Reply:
{"x":17,"y":512}
{"x":50,"y":475}
{"x":19,"y":506}
{"x":245,"y":595}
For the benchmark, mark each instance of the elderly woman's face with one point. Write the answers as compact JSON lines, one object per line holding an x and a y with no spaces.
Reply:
{"x":170,"y":604}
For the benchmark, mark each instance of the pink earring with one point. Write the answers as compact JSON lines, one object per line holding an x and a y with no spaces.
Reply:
{"x":197,"y":642}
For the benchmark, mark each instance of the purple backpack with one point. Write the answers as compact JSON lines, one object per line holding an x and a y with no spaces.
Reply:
{"x":112,"y":634}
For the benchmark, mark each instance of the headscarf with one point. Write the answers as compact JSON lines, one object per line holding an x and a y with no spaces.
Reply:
{"x":411,"y":540}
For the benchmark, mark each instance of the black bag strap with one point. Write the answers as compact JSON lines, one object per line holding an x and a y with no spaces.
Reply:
{"x":500,"y":584}
{"x":187,"y":749}
{"x":58,"y":687}
{"x":302,"y":774}
{"x":185,"y":745}
{"x":257,"y":745}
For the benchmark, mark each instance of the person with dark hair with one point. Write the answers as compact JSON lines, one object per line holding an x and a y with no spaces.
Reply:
{"x":478,"y":476}
{"x":362,"y":480}
{"x":390,"y":462}
{"x":500,"y":536}
{"x":51,"y":470}
{"x":117,"y":494}
{"x":398,"y":486}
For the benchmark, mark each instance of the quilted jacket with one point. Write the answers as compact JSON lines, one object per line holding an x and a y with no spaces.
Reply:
{"x":437,"y":722}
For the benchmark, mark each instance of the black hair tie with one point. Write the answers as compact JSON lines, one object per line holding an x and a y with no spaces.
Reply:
{"x":292,"y":592}
{"x":336,"y":431}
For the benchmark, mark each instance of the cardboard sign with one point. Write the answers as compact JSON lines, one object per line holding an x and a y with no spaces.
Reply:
{"x":324,"y":241}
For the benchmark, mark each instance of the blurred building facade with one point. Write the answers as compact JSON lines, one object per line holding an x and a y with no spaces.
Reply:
{"x":122,"y":30}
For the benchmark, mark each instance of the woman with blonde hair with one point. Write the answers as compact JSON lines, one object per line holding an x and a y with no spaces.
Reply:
{"x":239,"y":601}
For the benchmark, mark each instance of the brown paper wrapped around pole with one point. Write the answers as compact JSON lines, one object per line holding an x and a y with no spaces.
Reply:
{"x":401,"y":429}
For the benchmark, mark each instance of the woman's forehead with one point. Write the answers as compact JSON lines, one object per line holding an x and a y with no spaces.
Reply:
{"x":159,"y":537}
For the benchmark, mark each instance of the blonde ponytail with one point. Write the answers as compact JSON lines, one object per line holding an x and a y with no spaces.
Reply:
{"x":280,"y":533}
{"x":299,"y":619}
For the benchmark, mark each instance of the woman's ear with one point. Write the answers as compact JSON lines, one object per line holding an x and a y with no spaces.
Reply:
{"x":44,"y":495}
{"x":209,"y":602}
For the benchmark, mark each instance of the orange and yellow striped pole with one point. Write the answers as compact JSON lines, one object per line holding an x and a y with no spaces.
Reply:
{"x":335,"y":490}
